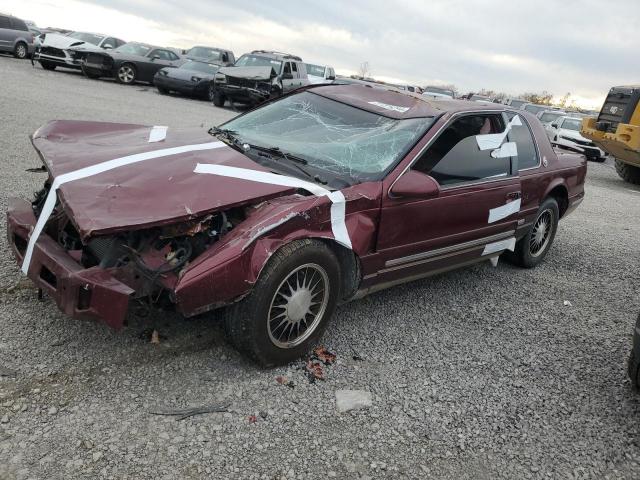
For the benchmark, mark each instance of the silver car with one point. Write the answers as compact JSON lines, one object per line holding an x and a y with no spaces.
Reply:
{"x":15,"y":36}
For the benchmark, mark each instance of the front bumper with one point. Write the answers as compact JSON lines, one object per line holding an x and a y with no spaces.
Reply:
{"x":181,"y":86}
{"x":66,"y":60}
{"x":83,"y":293}
{"x":244,"y":94}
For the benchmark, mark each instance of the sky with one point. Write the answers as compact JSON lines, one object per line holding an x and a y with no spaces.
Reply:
{"x":579,"y":46}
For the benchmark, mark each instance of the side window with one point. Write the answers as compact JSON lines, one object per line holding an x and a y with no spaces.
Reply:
{"x":110,"y":43}
{"x":521,"y":134}
{"x":294,"y":66}
{"x":4,"y":22}
{"x":455,"y":157}
{"x":173,"y":56}
{"x":18,"y":24}
{"x":163,"y":54}
{"x":287,"y":68}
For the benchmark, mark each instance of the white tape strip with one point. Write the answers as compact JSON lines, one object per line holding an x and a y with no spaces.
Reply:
{"x":50,"y":202}
{"x":504,"y":211}
{"x":157,"y":134}
{"x":508,"y":149}
{"x":491,"y":141}
{"x":507,"y":244}
{"x":338,"y":208}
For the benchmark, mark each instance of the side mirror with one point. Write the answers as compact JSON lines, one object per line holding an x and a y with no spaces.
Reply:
{"x":413,"y":184}
{"x":107,"y":46}
{"x":155,"y":57}
{"x":287,"y":76}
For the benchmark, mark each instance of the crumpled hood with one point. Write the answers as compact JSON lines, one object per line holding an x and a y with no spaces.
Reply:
{"x":62,"y":42}
{"x":157,"y":191}
{"x":251,"y":73}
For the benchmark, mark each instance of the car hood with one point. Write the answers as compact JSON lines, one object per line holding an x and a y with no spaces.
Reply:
{"x":571,"y":134}
{"x":62,"y":42}
{"x":251,"y":73}
{"x":154,"y":192}
{"x":184,"y":74}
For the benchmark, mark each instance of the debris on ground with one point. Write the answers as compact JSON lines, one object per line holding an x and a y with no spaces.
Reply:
{"x":567,"y":303}
{"x":347,"y":400}
{"x":155,"y":338}
{"x":151,"y":335}
{"x":7,"y":372}
{"x":190,"y":412}
{"x":314,"y":370}
{"x":324,"y":355}
{"x":253,"y":419}
{"x":285,"y":381}
{"x":356,"y":356}
{"x":263,"y":414}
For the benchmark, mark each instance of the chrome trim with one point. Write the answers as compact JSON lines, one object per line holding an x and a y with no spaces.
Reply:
{"x":447,"y":123}
{"x":445,"y":250}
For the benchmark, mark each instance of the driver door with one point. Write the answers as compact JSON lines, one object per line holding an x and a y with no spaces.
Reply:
{"x":474,"y":212}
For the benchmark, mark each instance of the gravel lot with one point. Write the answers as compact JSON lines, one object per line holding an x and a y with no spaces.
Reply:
{"x":479,"y":373}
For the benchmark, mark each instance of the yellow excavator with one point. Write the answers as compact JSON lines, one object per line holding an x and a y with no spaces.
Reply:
{"x":616,"y":130}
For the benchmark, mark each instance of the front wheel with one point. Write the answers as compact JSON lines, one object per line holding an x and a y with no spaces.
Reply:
{"x":628,"y":173}
{"x":126,"y":74}
{"x":289,"y":306}
{"x":21,"y":51}
{"x":218,"y":98}
{"x":534,"y":246}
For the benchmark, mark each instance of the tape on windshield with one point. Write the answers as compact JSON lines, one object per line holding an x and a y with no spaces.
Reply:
{"x":89,"y":171}
{"x":491,"y":141}
{"x":157,"y":134}
{"x":338,"y":208}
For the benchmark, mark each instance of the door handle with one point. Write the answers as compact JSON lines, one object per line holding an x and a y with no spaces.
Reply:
{"x":514,"y":195}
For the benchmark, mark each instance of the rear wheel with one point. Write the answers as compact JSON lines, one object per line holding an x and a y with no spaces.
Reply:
{"x":126,"y":74}
{"x":533,"y":247}
{"x":627,"y":172}
{"x":219,"y":98}
{"x":289,"y":306}
{"x":48,"y":65}
{"x":21,"y":51}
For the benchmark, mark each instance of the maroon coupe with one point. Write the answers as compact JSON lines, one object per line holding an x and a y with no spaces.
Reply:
{"x":322,"y":196}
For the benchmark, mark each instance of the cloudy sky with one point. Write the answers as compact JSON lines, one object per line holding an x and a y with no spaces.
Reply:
{"x":578,"y":46}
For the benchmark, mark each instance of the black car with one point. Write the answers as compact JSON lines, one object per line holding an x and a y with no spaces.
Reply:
{"x":192,"y":78}
{"x":215,"y":55}
{"x":634,"y":359}
{"x":132,"y":62}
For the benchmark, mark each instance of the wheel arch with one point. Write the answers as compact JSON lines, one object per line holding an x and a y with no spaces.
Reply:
{"x":560,"y":193}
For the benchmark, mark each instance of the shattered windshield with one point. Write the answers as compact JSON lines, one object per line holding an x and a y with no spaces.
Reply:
{"x":133,"y":49}
{"x":331,"y":136}
{"x":257,"y":61}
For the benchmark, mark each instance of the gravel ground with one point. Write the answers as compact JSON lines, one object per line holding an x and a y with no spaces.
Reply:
{"x":479,"y":373}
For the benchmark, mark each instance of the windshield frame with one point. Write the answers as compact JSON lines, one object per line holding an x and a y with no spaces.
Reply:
{"x":571,"y":120}
{"x":85,"y":35}
{"x":332,"y":176}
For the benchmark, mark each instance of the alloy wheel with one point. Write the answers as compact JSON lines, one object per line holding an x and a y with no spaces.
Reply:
{"x":540,"y":233}
{"x":126,"y":74}
{"x":298,"y":305}
{"x":21,"y":51}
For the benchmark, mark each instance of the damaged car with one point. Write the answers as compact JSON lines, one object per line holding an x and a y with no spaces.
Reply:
{"x":130,"y":63}
{"x":284,"y":212}
{"x":258,"y":76}
{"x":193,"y":78}
{"x":56,"y":50}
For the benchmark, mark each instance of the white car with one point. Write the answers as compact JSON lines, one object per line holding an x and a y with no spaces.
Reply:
{"x":54,"y":48}
{"x":547,"y":117}
{"x":438,"y":93}
{"x":515,"y":103}
{"x":320,"y":74}
{"x":565,"y":132}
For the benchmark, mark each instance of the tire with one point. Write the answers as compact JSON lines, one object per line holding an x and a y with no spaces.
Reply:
{"x":219,"y":99}
{"x":163,"y":91}
{"x":628,"y":173}
{"x":254,"y":325}
{"x":211,"y":92}
{"x":633,"y":369}
{"x":21,"y":51}
{"x":89,"y":73}
{"x":529,"y":252}
{"x":47,"y":65}
{"x":126,"y":74}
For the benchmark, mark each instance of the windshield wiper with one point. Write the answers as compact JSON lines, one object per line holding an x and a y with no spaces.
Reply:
{"x":295,"y":161}
{"x":225,"y":133}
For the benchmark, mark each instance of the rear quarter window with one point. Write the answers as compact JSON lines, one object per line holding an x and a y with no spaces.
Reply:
{"x":4,"y":22}
{"x":521,"y":134}
{"x":18,"y":24}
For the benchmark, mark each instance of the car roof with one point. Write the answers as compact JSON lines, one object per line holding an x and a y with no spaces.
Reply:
{"x":275,"y":55}
{"x":394,"y":103}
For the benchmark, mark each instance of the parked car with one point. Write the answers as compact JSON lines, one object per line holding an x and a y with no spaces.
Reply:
{"x":320,"y":74}
{"x":325,"y":195}
{"x":68,"y":51}
{"x":192,"y":78}
{"x":438,"y":92}
{"x":534,"y":108}
{"x":259,"y":76}
{"x":634,"y":358}
{"x":130,"y":63}
{"x":565,"y":132}
{"x":219,"y":56}
{"x":547,"y":117}
{"x":480,"y":99}
{"x":15,"y":36}
{"x":516,"y":103}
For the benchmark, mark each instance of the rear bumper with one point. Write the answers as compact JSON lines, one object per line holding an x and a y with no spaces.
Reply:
{"x":83,"y":293}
